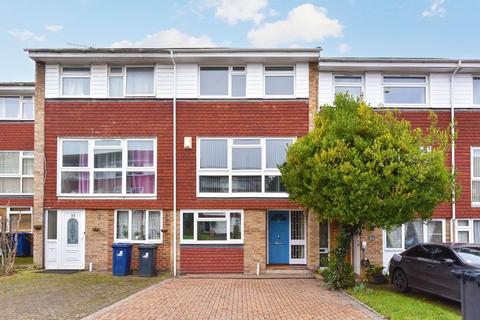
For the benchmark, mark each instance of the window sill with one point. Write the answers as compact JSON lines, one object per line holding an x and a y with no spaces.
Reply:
{"x":138,"y":241}
{"x":242,"y":195}
{"x":107,"y":197}
{"x":192,"y":242}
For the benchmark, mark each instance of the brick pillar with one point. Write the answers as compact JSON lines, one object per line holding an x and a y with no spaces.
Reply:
{"x":255,"y":240}
{"x":39,"y":173}
{"x":312,"y":93}
{"x":313,"y":241}
{"x":98,"y":238}
{"x":374,"y":251}
{"x":178,"y":242}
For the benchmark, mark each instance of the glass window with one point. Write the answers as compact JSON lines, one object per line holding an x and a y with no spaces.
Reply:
{"x":140,"y":153}
{"x":187,"y":226}
{"x":394,"y":238}
{"x":419,"y":252}
{"x":72,"y":231}
{"x":205,"y":227}
{"x":463,"y":223}
{"x":246,"y":184}
{"x":108,"y":158}
{"x":122,"y":225}
{"x":235,"y":225}
{"x":239,"y":85}
{"x":16,"y":172}
{"x":20,"y":219}
{"x":277,"y":151}
{"x":75,"y":182}
{"x":9,"y":185}
{"x":413,"y":233}
{"x":214,"y":184}
{"x":440,"y":253}
{"x":107,"y":182}
{"x":463,"y":236}
{"x":404,"y":90}
{"x":470,"y":255}
{"x":274,"y":184}
{"x":213,"y":154}
{"x":434,"y":231}
{"x":76,"y":81}
{"x":246,"y":158}
{"x":476,"y":90}
{"x":140,"y":81}
{"x":279,"y":80}
{"x":140,"y":182}
{"x":214,"y":81}
{"x":27,"y":108}
{"x":154,"y":225}
{"x":476,"y":231}
{"x":475,"y":178}
{"x":115,"y":82}
{"x":9,"y":162}
{"x":52,"y":225}
{"x":348,"y":84}
{"x":139,"y":225}
{"x":75,"y":153}
{"x":9,"y":107}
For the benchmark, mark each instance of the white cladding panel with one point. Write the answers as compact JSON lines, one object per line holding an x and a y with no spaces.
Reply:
{"x":373,"y":88}
{"x":254,"y":80}
{"x":439,"y":90}
{"x":187,"y":81}
{"x":301,"y":80}
{"x":463,"y":91}
{"x":99,"y":80}
{"x":164,"y":81}
{"x":52,"y":80}
{"x":325,"y":88}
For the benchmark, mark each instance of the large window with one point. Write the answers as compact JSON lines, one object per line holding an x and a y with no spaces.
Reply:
{"x":476,"y":91}
{"x":279,"y":81}
{"x":16,"y":108}
{"x":348,"y":84}
{"x":398,"y":90}
{"x":76,"y":81}
{"x":139,"y":81}
{"x":223,"y":81}
{"x":475,"y":176}
{"x":414,"y":232}
{"x":107,"y":167}
{"x":468,"y":231}
{"x":16,"y":172}
{"x":138,"y":226}
{"x":20,"y":219}
{"x":241,"y":166}
{"x":210,"y":227}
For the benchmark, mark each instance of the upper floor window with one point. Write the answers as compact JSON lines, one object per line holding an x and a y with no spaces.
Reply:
{"x":107,"y":167}
{"x":476,"y":91}
{"x":16,"y":108}
{"x":223,"y":81}
{"x":116,"y":77}
{"x":241,"y":166}
{"x":404,"y":90}
{"x":279,"y":81}
{"x":348,"y":84}
{"x":76,"y":81}
{"x":139,"y":81}
{"x":16,"y":172}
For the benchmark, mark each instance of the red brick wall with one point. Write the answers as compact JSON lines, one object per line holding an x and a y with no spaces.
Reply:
{"x":18,"y":202}
{"x":209,"y":260}
{"x":16,"y":136}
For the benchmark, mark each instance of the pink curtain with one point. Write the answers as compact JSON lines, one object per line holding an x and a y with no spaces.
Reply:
{"x":141,"y":182}
{"x":141,"y":158}
{"x":83,"y":182}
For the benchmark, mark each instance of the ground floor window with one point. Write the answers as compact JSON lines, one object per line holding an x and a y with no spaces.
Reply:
{"x":414,"y":232}
{"x":468,"y":231}
{"x":20,"y":219}
{"x":138,"y":225}
{"x":207,"y":226}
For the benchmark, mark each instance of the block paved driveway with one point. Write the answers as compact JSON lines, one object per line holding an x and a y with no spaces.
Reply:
{"x":198,"y":299}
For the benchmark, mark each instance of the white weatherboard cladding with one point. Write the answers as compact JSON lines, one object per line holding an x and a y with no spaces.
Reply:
{"x":440,"y":90}
{"x":99,"y":86}
{"x":164,"y":81}
{"x":373,"y":88}
{"x":187,"y":81}
{"x":52,"y":80}
{"x":463,"y":91}
{"x":325,"y":88}
{"x":254,"y":80}
{"x":301,"y":80}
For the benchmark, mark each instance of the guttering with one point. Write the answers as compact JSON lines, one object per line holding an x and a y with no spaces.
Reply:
{"x":174,"y":107}
{"x":452,"y":123}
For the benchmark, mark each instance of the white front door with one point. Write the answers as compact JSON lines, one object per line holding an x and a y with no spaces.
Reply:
{"x":65,"y":239}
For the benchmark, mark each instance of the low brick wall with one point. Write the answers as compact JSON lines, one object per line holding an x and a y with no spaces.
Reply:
{"x":211,"y":259}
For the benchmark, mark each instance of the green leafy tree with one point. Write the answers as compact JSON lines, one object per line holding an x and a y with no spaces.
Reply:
{"x":367,"y":169}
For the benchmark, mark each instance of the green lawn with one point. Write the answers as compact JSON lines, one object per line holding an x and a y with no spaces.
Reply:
{"x":22,"y":261}
{"x":413,"y":305}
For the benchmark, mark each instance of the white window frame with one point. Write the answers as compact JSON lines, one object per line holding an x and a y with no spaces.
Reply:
{"x":118,"y":75}
{"x":130,"y":225}
{"x":231,"y":73}
{"x":22,"y":155}
{"x":75,"y":75}
{"x":425,"y":85}
{"x":10,"y":212}
{"x":125,"y":72}
{"x":424,"y":240}
{"x":91,"y":170}
{"x":477,"y":78}
{"x":263,"y":172}
{"x":472,"y":178}
{"x":348,"y":84}
{"x":227,"y":219}
{"x":20,"y":108}
{"x":279,"y":74}
{"x":469,"y":229}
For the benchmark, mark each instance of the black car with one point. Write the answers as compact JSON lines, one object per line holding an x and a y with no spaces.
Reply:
{"x":428,"y":267}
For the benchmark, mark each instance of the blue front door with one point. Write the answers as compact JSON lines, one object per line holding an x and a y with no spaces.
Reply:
{"x":278,"y":238}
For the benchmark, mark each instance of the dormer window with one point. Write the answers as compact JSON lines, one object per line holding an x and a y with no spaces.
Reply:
{"x":76,"y":81}
{"x":139,"y":81}
{"x":223,"y":81}
{"x":279,"y":81}
{"x":16,"y":108}
{"x":406,"y":90}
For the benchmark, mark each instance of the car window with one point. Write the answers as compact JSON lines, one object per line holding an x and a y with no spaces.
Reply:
{"x":440,"y":253}
{"x":470,"y":255}
{"x":418,"y":252}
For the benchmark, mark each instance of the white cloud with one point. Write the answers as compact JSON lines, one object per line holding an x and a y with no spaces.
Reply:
{"x":305,"y":23}
{"x":344,"y":48}
{"x":54,"y":27}
{"x":436,"y":9}
{"x":169,"y":38}
{"x":234,"y":11}
{"x":26,"y":35}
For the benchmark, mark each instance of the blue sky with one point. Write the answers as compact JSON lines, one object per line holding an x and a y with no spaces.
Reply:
{"x":415,"y":28}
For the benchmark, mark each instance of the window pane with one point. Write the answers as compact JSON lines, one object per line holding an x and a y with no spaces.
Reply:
{"x":72,"y":231}
{"x":107,"y":182}
{"x":138,"y":225}
{"x":463,"y":223}
{"x":434,"y":231}
{"x":75,"y":182}
{"x":462,"y":236}
{"x":404,"y":95}
{"x":246,"y":158}
{"x":9,"y":107}
{"x":213,"y":154}
{"x":215,"y":184}
{"x":476,"y":91}
{"x":27,"y":166}
{"x":413,"y":233}
{"x":52,"y":225}
{"x":154,"y":225}
{"x":75,"y":153}
{"x":276,"y":152}
{"x":476,"y":231}
{"x":279,"y":85}
{"x":274,"y":184}
{"x":9,"y":162}
{"x":108,"y":143}
{"x":235,"y":226}
{"x":188,"y":225}
{"x":247,"y":184}
{"x":140,"y":154}
{"x":108,"y":158}
{"x":297,"y":225}
{"x":76,"y":86}
{"x":239,"y":86}
{"x":140,"y":182}
{"x":404,"y":80}
{"x":348,"y":79}
{"x":211,"y":230}
{"x":140,"y":81}
{"x":122,"y":224}
{"x":214,"y":81}
{"x":475,"y":191}
{"x":212,"y":215}
{"x":250,"y":142}
{"x":115,"y":86}
{"x":394,"y":238}
{"x":116,"y":70}
{"x":9,"y":185}
{"x":27,"y":108}
{"x":76,"y":70}
{"x":27,"y":185}
{"x":279,"y":68}
{"x":298,"y":251}
{"x":353,"y":91}
{"x":476,"y":163}
{"x":25,"y":224}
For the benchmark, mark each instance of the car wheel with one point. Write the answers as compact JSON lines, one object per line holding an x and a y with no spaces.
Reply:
{"x":400,"y":281}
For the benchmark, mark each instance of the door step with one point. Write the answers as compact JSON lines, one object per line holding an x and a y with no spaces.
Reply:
{"x":287,"y":271}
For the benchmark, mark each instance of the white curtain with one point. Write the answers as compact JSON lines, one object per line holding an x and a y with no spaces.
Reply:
{"x":154,"y":225}
{"x":122,"y":225}
{"x":434,"y":231}
{"x":213,"y":154}
{"x":394,"y":238}
{"x":9,"y":162}
{"x":140,"y":81}
{"x":76,"y":86}
{"x":138,"y":225}
{"x":413,"y":233}
{"x":276,"y":151}
{"x":115,"y":86}
{"x":9,"y":107}
{"x":476,"y":231}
